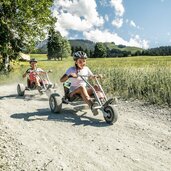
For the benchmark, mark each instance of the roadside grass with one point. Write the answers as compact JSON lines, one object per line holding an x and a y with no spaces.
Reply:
{"x":144,"y":78}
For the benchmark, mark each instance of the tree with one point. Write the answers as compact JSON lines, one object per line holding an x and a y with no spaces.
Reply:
{"x":66,"y":48}
{"x":58,"y":47}
{"x":22,"y":23}
{"x":91,"y":54}
{"x":100,"y":50}
{"x":87,"y":52}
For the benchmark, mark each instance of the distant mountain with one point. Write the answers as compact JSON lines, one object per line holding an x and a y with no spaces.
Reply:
{"x":42,"y":46}
{"x":89,"y":45}
{"x":84,"y":44}
{"x":111,"y":45}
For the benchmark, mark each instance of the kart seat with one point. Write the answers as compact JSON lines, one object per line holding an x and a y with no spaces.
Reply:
{"x":30,"y":85}
{"x":74,"y":98}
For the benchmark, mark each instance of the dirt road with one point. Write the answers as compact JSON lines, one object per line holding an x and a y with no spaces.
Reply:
{"x":32,"y":138}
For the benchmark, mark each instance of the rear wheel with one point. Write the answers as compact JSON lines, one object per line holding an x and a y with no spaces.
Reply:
{"x":20,"y":89}
{"x":55,"y":103}
{"x":111,"y":114}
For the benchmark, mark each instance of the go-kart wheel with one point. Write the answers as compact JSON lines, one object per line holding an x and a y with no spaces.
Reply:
{"x":55,"y":103}
{"x":20,"y":89}
{"x":111,"y":114}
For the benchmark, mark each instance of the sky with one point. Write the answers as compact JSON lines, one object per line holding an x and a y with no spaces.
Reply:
{"x":140,"y":23}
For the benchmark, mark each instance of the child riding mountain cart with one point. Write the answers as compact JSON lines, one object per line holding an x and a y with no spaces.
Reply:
{"x":92,"y":94}
{"x":101,"y":102}
{"x":37,"y":79}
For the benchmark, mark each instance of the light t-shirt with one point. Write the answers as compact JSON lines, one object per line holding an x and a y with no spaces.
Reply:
{"x":77,"y":82}
{"x":35,"y":70}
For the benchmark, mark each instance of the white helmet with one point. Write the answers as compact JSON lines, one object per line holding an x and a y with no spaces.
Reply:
{"x":79,"y":55}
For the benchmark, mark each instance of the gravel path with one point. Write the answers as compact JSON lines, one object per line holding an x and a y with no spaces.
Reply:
{"x":32,"y":138}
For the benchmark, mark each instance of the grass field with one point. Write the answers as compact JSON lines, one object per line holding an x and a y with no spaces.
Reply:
{"x":144,"y":78}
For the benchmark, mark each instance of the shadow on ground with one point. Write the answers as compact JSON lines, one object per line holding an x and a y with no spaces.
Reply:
{"x":25,"y":97}
{"x":67,"y":115}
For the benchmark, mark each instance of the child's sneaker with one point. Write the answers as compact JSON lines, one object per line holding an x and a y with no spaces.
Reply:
{"x":49,"y":86}
{"x":94,"y":109}
{"x":65,"y":100}
{"x":39,"y":88}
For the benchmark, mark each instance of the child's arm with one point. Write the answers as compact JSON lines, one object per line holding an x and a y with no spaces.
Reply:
{"x":40,"y":71}
{"x":95,"y":76}
{"x":92,"y":76}
{"x":65,"y":77}
{"x":27,"y":72}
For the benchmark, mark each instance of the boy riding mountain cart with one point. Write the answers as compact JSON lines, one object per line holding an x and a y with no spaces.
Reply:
{"x":37,"y":79}
{"x":33,"y":80}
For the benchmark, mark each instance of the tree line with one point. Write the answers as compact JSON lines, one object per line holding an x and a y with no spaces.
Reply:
{"x":101,"y":51}
{"x":158,"y":51}
{"x":58,"y":48}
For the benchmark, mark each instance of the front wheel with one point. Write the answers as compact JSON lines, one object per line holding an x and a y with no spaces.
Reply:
{"x":55,"y":103}
{"x":20,"y":89}
{"x":111,"y":114}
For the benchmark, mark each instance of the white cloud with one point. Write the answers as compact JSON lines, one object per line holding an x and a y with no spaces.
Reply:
{"x":103,"y":3}
{"x":106,"y":36}
{"x":103,"y":36}
{"x":76,"y":36}
{"x":77,"y":15}
{"x":62,"y":30}
{"x":117,"y":4}
{"x":117,"y":22}
{"x":137,"y":42}
{"x":132,"y":23}
{"x":74,"y":22}
{"x":106,"y":17}
{"x":119,"y":11}
{"x":81,"y":15}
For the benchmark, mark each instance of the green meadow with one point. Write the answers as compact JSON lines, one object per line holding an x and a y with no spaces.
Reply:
{"x":143,"y":78}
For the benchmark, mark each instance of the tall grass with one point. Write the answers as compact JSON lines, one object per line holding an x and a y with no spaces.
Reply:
{"x":149,"y":84}
{"x":144,"y":78}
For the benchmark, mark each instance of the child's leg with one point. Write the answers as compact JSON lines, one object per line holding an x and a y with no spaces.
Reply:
{"x":90,"y":91}
{"x":84,"y":94}
{"x":37,"y":81}
{"x":96,"y":87}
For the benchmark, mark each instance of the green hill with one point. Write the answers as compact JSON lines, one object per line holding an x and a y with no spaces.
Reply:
{"x":111,"y":45}
{"x":89,"y":45}
{"x":84,"y":44}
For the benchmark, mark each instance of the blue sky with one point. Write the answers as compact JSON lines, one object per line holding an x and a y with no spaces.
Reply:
{"x":140,"y":23}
